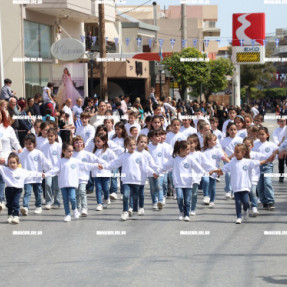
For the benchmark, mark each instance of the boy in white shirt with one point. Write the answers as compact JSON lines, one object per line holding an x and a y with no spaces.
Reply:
{"x":86,"y":131}
{"x":132,"y":122}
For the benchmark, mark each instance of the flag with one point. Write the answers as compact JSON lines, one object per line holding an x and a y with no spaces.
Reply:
{"x":172,"y":41}
{"x":139,"y":41}
{"x":183,"y":43}
{"x":94,"y":39}
{"x":128,"y":41}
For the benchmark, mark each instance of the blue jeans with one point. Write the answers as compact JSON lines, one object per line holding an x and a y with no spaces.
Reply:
{"x":241,"y":197}
{"x":156,"y":189}
{"x":81,"y":196}
{"x":194,"y":196}
{"x":52,"y":192}
{"x":212,"y":188}
{"x":265,"y":189}
{"x":165,"y":184}
{"x":114,"y":182}
{"x":133,"y":190}
{"x":169,"y":175}
{"x":2,"y":189}
{"x":90,"y":185}
{"x":69,"y":195}
{"x":102,"y":185}
{"x":141,"y":198}
{"x":227,"y":187}
{"x":205,"y":185}
{"x":37,"y":189}
{"x":13,"y":200}
{"x":183,"y":196}
{"x":252,"y":196}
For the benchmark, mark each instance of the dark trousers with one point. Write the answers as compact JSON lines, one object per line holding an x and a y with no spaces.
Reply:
{"x":13,"y":200}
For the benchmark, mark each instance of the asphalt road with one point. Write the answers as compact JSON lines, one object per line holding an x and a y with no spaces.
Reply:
{"x":155,"y":250}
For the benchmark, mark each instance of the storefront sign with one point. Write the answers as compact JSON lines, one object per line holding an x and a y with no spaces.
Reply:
{"x":67,"y":49}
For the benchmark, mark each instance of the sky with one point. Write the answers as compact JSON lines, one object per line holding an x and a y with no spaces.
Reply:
{"x":275,"y":14}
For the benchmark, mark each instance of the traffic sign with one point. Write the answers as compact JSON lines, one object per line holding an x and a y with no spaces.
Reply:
{"x":248,"y":55}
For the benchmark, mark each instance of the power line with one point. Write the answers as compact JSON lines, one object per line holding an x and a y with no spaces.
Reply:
{"x":134,"y":8}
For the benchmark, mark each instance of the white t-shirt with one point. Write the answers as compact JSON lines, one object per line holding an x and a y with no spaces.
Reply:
{"x":241,"y":173}
{"x":34,"y":161}
{"x":188,"y":131}
{"x":133,"y":165}
{"x":242,"y":133}
{"x":228,"y":144}
{"x":265,"y":148}
{"x":185,"y":171}
{"x":278,"y":134}
{"x":171,"y":138}
{"x":213,"y":156}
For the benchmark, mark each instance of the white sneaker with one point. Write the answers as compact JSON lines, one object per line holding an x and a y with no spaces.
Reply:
{"x":155,"y":207}
{"x":1,"y":206}
{"x":174,"y":197}
{"x":130,"y":212}
{"x":238,"y":221}
{"x":55,"y":206}
{"x":76,"y":214}
{"x":15,"y":219}
{"x":125,"y":216}
{"x":135,"y":216}
{"x":108,"y":201}
{"x":186,"y":218}
{"x":99,"y":207}
{"x":163,"y":200}
{"x":228,"y":195}
{"x":84,"y":212}
{"x":193,"y":213}
{"x":113,"y":196}
{"x":258,"y":201}
{"x":246,"y":214}
{"x":38,"y":210}
{"x":206,"y":200}
{"x":121,"y":197}
{"x":105,"y":204}
{"x":10,"y":218}
{"x":211,"y":205}
{"x":24,"y":211}
{"x":141,"y":211}
{"x":180,"y":216}
{"x":48,"y":206}
{"x":255,"y":211}
{"x":159,"y":205}
{"x":67,"y":218}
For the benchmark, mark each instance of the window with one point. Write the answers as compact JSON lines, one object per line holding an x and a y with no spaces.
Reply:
{"x":37,"y":74}
{"x":37,"y":40}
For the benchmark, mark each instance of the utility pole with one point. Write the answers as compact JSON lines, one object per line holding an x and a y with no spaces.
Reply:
{"x":183,"y":23}
{"x":103,"y":65}
{"x":155,"y":21}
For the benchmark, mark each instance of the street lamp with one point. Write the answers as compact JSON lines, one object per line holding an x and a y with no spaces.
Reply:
{"x":91,"y":57}
{"x":160,"y":68}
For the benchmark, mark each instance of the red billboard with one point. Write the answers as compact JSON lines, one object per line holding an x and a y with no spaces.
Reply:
{"x":250,"y":28}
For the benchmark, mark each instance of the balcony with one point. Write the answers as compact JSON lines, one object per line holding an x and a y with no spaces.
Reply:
{"x":77,"y":10}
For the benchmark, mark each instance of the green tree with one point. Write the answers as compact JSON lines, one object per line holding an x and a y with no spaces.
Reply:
{"x":187,"y":74}
{"x":252,"y":76}
{"x":210,"y":76}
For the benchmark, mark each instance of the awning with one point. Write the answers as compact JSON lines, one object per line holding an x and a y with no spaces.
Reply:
{"x":151,"y":56}
{"x":111,"y":32}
